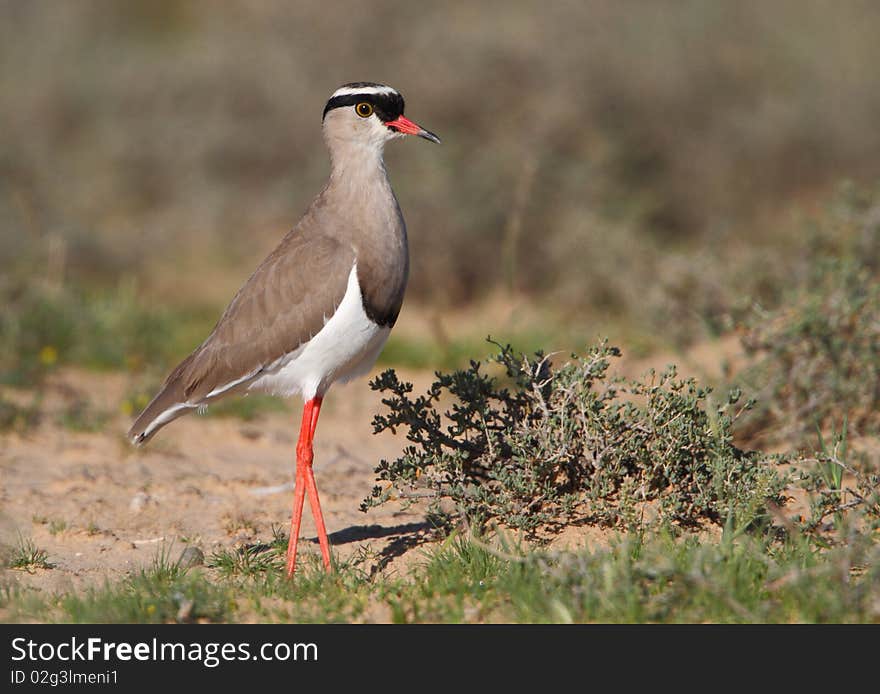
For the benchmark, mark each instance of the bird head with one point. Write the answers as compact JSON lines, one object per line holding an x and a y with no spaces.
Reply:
{"x":369,"y":114}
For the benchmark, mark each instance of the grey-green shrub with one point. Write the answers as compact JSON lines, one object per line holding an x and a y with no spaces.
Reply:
{"x":546,"y":445}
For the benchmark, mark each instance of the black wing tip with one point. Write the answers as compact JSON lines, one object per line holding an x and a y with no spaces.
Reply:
{"x":136,"y":438}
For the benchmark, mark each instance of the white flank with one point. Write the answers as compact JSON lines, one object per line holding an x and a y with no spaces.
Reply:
{"x":381,"y":89}
{"x":347,"y":346}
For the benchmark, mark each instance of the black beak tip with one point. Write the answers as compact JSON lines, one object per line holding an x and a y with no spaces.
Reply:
{"x":431,"y":137}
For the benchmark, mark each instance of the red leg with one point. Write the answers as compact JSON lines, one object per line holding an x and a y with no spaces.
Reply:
{"x":298,"y":495}
{"x":305,"y":483}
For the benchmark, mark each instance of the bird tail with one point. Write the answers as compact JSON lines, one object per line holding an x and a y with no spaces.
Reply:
{"x":169,"y":404}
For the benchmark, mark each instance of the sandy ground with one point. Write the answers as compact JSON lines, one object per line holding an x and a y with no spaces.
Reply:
{"x":102,"y":509}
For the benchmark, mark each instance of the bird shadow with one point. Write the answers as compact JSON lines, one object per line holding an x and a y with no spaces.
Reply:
{"x":358,"y":533}
{"x":404,"y":537}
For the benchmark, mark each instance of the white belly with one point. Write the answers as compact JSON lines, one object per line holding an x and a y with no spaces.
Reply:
{"x":347,"y":346}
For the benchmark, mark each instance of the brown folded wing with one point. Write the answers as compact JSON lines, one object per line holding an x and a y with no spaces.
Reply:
{"x":285,"y":303}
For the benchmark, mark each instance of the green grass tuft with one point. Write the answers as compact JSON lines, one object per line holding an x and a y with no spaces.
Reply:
{"x":25,"y":555}
{"x":163,"y":592}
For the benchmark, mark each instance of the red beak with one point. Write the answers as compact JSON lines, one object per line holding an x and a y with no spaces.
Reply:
{"x":407,"y":127}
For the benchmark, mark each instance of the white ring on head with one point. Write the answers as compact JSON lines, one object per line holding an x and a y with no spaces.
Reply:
{"x":381,"y":89}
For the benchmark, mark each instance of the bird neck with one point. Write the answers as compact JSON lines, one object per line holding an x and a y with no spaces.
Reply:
{"x":358,"y":177}
{"x":358,"y":163}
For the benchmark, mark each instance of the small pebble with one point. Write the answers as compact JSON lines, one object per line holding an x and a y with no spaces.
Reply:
{"x":138,"y":501}
{"x":184,"y":614}
{"x":191,"y":556}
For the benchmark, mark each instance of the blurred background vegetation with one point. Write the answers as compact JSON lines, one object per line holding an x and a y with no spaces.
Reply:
{"x":660,"y":172}
{"x":644,"y":170}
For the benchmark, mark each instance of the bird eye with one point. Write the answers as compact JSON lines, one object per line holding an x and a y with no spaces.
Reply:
{"x":364,"y":110}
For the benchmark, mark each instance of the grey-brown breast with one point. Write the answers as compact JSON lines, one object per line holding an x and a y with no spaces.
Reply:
{"x":383,"y":266}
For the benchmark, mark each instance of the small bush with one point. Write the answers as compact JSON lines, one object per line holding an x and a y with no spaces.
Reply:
{"x":557,"y":445}
{"x":17,"y":417}
{"x":81,"y":415}
{"x":843,"y":485}
{"x":817,"y":359}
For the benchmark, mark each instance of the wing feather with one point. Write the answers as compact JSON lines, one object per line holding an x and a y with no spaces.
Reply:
{"x":285,"y":303}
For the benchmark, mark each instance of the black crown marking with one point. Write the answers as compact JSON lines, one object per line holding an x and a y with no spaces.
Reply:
{"x":388,"y":106}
